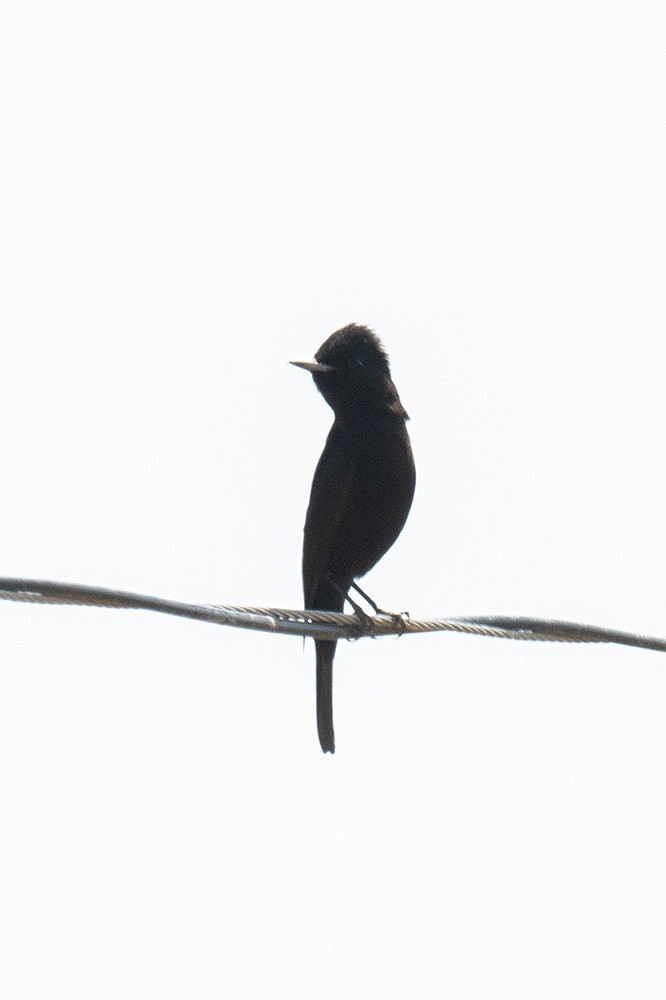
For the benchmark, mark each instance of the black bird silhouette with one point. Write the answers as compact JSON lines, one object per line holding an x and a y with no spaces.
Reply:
{"x":362,"y":488}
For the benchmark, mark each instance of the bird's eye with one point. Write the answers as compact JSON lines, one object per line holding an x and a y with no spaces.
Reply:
{"x":356,"y":363}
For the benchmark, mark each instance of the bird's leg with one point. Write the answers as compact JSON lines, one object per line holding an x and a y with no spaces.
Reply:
{"x":358,"y":610}
{"x":396,"y":616}
{"x":377,"y":610}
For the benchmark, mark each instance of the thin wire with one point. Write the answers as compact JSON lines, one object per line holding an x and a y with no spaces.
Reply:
{"x":320,"y":624}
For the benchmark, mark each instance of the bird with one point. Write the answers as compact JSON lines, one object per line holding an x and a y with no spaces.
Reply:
{"x":362,"y":488}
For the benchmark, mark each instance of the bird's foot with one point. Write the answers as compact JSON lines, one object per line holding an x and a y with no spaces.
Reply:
{"x":397,"y":617}
{"x":364,"y":619}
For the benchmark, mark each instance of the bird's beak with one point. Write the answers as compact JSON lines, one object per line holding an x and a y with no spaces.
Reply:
{"x":313,"y":367}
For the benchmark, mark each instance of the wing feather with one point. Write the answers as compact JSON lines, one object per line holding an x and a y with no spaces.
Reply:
{"x":329,"y":510}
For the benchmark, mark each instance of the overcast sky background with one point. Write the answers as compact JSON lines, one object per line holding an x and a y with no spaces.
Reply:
{"x":191,"y":196}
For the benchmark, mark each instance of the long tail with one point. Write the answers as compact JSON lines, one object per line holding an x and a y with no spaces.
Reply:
{"x":325,"y":653}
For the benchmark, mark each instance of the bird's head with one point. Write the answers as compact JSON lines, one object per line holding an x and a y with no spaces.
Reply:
{"x":351,"y":370}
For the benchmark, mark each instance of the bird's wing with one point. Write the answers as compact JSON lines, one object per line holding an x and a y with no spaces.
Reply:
{"x":331,"y":499}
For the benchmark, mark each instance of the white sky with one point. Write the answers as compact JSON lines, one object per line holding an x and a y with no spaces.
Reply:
{"x":191,"y":196}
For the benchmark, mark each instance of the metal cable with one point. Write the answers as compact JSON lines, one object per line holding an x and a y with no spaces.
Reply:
{"x":320,"y":624}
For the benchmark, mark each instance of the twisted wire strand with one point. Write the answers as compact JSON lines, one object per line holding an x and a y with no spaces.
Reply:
{"x":320,"y":624}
